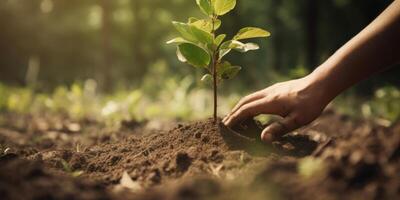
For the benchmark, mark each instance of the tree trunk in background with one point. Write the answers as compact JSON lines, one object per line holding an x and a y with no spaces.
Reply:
{"x":105,"y":76}
{"x":311,"y":24}
{"x":140,"y":60}
{"x":277,"y":41}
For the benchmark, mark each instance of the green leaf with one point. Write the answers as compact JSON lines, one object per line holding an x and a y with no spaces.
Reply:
{"x":185,"y":31}
{"x":222,"y":66}
{"x":202,"y":36}
{"x":205,"y":6}
{"x":192,"y":33}
{"x":251,"y":32}
{"x":193,"y":55}
{"x":226,"y":71}
{"x":192,"y":20}
{"x":221,"y":7}
{"x":227,"y":46}
{"x":177,"y":40}
{"x":217,"y":24}
{"x":231,"y":72}
{"x":180,"y":56}
{"x":218,"y":40}
{"x":241,"y":47}
{"x":205,"y":24}
{"x":207,"y":79}
{"x":224,"y":49}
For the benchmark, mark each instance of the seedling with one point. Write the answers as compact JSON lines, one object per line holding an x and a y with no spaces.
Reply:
{"x":201,"y":46}
{"x":67,"y":168}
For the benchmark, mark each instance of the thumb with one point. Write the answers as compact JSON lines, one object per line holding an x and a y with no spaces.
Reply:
{"x":280,"y":128}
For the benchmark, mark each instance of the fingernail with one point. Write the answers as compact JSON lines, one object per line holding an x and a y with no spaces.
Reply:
{"x":266,"y":137}
{"x":226,"y":123}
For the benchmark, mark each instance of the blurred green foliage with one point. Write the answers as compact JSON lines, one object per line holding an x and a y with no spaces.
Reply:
{"x":178,"y":99}
{"x":383,"y":107}
{"x":116,"y":42}
{"x":60,"y":55}
{"x":386,"y":105}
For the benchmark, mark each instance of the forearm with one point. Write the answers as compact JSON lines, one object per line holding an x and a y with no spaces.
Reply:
{"x":371,"y":51}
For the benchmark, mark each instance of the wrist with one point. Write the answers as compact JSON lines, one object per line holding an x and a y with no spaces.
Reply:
{"x":322,"y":84}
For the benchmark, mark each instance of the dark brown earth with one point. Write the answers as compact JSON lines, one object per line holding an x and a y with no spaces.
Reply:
{"x":47,"y":157}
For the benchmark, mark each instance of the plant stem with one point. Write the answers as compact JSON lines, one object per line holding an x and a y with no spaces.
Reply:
{"x":214,"y":73}
{"x":215,"y":87}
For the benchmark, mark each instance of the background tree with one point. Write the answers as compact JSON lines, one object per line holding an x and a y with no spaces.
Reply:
{"x":67,"y":37}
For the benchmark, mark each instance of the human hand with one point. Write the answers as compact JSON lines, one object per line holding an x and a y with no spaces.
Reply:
{"x":299,"y":102}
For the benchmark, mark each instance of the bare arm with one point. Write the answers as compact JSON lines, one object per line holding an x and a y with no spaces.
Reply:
{"x":372,"y":50}
{"x":301,"y":101}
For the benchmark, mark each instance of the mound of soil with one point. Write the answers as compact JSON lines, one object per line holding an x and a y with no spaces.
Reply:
{"x":345,"y":159}
{"x":184,"y":150}
{"x":187,"y":150}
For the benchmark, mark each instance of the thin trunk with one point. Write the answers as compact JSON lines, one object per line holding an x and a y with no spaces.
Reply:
{"x":311,"y":33}
{"x":107,"y":54}
{"x":214,"y":63}
{"x":140,"y":58}
{"x":215,"y":87}
{"x":277,"y":41}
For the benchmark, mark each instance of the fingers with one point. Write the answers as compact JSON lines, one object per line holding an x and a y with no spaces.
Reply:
{"x":247,"y":99}
{"x":278,"y":129}
{"x":251,"y":109}
{"x":244,"y":111}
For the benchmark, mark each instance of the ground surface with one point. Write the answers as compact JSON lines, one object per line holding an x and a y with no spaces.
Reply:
{"x":333,"y":158}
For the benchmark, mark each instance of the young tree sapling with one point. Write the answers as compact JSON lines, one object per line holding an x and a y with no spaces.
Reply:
{"x":200,"y":45}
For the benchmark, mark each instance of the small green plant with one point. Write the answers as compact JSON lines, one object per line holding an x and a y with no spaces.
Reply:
{"x":200,"y":45}
{"x":67,"y":168}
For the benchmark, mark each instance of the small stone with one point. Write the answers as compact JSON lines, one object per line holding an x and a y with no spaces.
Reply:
{"x":145,"y":153}
{"x":114,"y":160}
{"x":78,"y":161}
{"x":155,"y":176}
{"x":205,"y":139}
{"x":197,"y":135}
{"x":183,"y":161}
{"x":216,"y":156}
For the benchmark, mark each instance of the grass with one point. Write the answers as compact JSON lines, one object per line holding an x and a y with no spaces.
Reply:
{"x":174,"y":99}
{"x":383,"y":108}
{"x":177,"y":99}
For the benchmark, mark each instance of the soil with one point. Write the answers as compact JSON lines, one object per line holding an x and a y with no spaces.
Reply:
{"x":47,"y":157}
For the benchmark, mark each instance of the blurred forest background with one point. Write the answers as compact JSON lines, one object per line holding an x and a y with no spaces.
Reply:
{"x":102,"y":57}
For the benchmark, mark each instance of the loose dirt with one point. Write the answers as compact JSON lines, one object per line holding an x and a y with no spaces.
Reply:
{"x":333,"y":158}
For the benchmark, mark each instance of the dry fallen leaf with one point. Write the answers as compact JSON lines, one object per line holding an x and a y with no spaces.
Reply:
{"x":216,"y":169}
{"x":126,"y":182}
